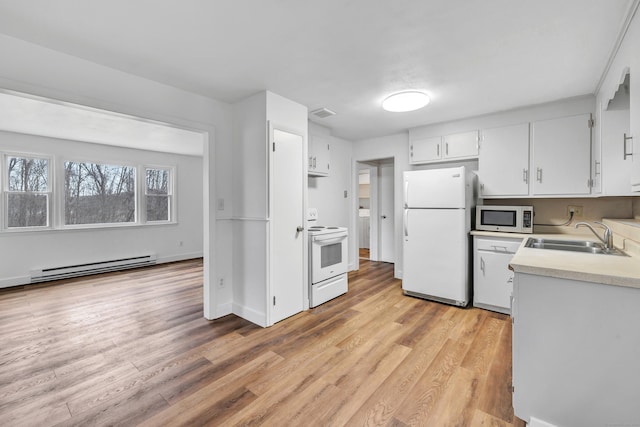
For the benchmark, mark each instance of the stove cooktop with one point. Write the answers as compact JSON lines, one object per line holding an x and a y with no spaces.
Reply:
{"x":320,"y":229}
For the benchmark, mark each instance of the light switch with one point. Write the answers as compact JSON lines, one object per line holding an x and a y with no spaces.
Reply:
{"x":345,"y":194}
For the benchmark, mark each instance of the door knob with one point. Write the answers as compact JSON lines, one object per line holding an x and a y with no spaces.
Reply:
{"x":300,"y":229}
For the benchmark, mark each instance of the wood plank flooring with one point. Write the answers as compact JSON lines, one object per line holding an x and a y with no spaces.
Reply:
{"x":132,"y":348}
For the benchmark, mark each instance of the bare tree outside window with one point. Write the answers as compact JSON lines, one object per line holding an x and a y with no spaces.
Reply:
{"x":99,"y":194}
{"x":28,"y":192}
{"x":158,"y":194}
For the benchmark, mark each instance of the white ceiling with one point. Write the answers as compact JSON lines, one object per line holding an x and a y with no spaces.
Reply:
{"x":472,"y":57}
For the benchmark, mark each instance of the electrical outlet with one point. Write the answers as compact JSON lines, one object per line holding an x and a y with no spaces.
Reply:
{"x":221,"y":282}
{"x":577,"y":211}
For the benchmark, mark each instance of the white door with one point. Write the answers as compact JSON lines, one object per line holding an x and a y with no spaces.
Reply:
{"x":436,"y":188}
{"x":286,"y":215}
{"x":435,"y":258}
{"x":386,"y":239}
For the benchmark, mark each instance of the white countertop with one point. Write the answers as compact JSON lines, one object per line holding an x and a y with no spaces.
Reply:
{"x":597,"y":268}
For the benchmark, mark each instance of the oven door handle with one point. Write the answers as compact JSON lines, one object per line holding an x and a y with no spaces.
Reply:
{"x":320,"y":241}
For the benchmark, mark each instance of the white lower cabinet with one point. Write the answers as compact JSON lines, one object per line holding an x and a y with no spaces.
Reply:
{"x":576,"y":347}
{"x":492,"y":279}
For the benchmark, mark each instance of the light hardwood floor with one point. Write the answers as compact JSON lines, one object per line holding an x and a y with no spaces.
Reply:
{"x":133,"y":348}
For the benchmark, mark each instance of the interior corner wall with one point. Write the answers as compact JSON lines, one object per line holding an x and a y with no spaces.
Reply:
{"x":44,"y":72}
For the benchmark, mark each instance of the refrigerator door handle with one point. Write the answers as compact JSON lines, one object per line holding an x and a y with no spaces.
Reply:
{"x":406,"y":193}
{"x":406,"y":223}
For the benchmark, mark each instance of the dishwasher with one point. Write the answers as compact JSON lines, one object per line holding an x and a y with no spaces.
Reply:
{"x":493,"y":281}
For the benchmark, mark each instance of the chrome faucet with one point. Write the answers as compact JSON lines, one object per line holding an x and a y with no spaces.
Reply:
{"x":608,"y":235}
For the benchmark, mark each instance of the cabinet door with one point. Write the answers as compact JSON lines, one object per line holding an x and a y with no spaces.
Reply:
{"x":460,"y":145}
{"x":634,"y":104}
{"x":561,"y":156}
{"x":493,"y":283}
{"x":425,"y":150}
{"x":319,"y":156}
{"x":615,"y":168}
{"x":503,"y":165}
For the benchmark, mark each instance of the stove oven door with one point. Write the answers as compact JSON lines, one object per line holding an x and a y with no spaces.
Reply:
{"x":329,"y":256}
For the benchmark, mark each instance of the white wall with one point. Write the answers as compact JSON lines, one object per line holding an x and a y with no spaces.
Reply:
{"x":23,"y":251}
{"x":34,"y":69}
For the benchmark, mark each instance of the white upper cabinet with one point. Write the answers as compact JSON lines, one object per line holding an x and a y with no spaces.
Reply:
{"x":561,"y":156}
{"x":319,"y":156}
{"x":425,"y":150}
{"x":455,"y":146}
{"x":461,"y":145}
{"x":503,"y":165}
{"x":612,"y":165}
{"x":617,"y":152}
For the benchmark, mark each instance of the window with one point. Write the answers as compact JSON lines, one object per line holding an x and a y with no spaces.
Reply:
{"x":27,"y":192}
{"x":39,"y":193}
{"x":158,"y":194}
{"x":99,"y":194}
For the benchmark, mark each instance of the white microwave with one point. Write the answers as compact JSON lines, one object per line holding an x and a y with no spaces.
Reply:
{"x":512,"y":219}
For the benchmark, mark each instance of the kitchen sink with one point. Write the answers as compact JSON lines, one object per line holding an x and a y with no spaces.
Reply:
{"x":572,"y":246}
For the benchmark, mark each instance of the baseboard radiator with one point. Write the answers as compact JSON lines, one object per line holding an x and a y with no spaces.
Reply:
{"x":65,"y":272}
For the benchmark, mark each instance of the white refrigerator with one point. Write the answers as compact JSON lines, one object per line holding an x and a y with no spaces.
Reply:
{"x":438,"y":207}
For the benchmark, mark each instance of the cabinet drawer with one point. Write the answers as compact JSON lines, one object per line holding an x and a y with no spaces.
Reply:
{"x":498,"y":245}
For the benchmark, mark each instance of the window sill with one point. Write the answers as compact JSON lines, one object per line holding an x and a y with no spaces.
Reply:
{"x":85,"y":227}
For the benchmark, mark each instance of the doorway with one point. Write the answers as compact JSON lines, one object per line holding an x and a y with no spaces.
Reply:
{"x":375,"y":213}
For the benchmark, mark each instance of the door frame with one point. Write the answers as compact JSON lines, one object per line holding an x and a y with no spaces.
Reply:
{"x":271,"y":126}
{"x":374,"y":224}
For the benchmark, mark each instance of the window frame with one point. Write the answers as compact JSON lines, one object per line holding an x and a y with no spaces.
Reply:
{"x":62,"y":225}
{"x":4,"y":189}
{"x":172,"y":211}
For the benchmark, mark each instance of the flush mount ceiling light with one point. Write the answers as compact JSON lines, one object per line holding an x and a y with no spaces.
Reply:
{"x":409,"y":100}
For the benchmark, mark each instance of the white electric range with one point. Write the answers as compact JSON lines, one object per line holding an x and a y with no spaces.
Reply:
{"x":328,"y":261}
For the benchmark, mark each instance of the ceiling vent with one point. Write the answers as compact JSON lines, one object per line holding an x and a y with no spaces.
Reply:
{"x":322,"y":113}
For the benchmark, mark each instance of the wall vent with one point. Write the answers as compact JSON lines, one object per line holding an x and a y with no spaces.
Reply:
{"x":65,"y":272}
{"x":322,"y":113}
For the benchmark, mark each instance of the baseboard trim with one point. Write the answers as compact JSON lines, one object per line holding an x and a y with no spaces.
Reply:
{"x":249,"y":314}
{"x":178,"y":257}
{"x":15,"y":281}
{"x":26,"y":280}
